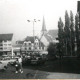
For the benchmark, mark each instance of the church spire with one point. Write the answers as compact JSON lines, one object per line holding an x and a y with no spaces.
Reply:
{"x":43,"y":27}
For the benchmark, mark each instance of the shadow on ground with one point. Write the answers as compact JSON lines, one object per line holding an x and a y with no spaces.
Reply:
{"x":64,"y":65}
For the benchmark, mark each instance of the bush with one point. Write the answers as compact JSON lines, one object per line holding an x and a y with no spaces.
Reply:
{"x":51,"y":49}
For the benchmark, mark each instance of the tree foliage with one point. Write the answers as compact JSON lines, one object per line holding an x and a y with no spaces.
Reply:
{"x":60,"y":46}
{"x":72,"y":34}
{"x":51,"y":49}
{"x":77,"y":31}
{"x":66,"y":35}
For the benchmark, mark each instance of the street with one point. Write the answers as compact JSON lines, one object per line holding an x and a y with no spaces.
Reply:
{"x":57,"y":69}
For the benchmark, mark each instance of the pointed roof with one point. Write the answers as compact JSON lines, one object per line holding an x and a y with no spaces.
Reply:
{"x":43,"y":25}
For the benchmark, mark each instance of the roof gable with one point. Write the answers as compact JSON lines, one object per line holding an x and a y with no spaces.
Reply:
{"x":31,"y":39}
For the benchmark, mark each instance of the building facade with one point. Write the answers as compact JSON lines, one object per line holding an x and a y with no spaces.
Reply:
{"x":29,"y":45}
{"x":46,"y":37}
{"x":32,"y":44}
{"x":6,"y":44}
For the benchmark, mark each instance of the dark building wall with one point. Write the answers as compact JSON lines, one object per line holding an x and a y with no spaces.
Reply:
{"x":78,"y":6}
{"x":78,"y":10}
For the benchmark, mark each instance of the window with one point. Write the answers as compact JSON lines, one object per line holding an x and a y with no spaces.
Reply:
{"x":5,"y":44}
{"x":5,"y":47}
{"x":1,"y":48}
{"x":35,"y":47}
{"x":1,"y":45}
{"x":9,"y":44}
{"x":25,"y":48}
{"x":8,"y":47}
{"x":29,"y":48}
{"x":36,"y":43}
{"x":29,"y":43}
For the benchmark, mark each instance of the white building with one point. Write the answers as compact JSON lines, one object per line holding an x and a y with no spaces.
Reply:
{"x":6,"y":43}
{"x":48,"y":36}
{"x":32,"y":44}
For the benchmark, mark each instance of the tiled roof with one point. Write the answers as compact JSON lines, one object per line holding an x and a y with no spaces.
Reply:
{"x":31,"y":38}
{"x":19,"y":42}
{"x":4,"y":37}
{"x":53,"y":33}
{"x":48,"y":37}
{"x":17,"y":45}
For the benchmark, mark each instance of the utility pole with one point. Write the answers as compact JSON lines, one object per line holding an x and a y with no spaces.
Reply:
{"x":33,"y":21}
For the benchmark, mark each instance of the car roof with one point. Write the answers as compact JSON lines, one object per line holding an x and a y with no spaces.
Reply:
{"x":4,"y":55}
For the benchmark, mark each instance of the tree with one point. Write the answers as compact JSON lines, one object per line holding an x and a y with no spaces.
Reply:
{"x":51,"y":49}
{"x":77,"y":32}
{"x":60,"y":46}
{"x":72,"y":34}
{"x":67,"y":33}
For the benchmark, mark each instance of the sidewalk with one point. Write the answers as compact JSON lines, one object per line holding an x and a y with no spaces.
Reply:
{"x":63,"y":76}
{"x":56,"y":75}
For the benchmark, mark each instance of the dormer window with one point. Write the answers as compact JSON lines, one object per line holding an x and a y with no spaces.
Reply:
{"x":29,"y":48}
{"x":36,"y":43}
{"x":1,"y":44}
{"x":36,"y":40}
{"x":29,"y":43}
{"x":25,"y":44}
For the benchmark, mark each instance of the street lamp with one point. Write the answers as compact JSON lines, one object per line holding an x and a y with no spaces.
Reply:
{"x":33,"y":21}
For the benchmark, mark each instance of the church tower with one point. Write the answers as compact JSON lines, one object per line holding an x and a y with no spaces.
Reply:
{"x":44,"y":30}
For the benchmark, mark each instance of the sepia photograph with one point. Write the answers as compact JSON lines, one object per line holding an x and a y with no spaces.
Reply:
{"x":39,"y":39}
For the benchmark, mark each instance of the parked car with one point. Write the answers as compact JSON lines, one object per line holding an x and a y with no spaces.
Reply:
{"x":13,"y":60}
{"x":3,"y":66}
{"x":37,"y":60}
{"x":8,"y":60}
{"x":34,"y":59}
{"x":4,"y":57}
{"x":5,"y":60}
{"x":26,"y":60}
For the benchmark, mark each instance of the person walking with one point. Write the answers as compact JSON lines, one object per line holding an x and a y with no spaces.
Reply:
{"x":17,"y":66}
{"x":20,"y":62}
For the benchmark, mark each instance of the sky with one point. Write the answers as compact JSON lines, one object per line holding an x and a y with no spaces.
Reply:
{"x":15,"y":13}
